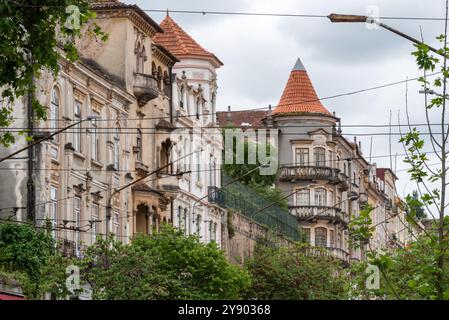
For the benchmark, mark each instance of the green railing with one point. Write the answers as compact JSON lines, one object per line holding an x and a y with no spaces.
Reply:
{"x":243,"y":199}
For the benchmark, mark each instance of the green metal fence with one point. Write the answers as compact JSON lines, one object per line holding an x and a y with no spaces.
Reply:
{"x":248,"y":202}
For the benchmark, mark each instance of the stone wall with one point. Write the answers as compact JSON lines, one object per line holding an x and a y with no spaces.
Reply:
{"x":240,"y":235}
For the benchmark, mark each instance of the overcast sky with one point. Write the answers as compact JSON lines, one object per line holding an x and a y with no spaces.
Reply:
{"x":259,"y":52}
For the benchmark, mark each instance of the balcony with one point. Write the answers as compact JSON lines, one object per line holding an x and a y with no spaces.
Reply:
{"x":216,"y":196}
{"x":314,"y":213}
{"x":145,"y":88}
{"x":343,"y":182}
{"x":298,"y":172}
{"x":168,"y":183}
{"x":337,"y":253}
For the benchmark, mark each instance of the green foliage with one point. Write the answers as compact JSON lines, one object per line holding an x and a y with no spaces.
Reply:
{"x":29,"y":257}
{"x":166,"y":265}
{"x":407,"y":273}
{"x":290,"y":273}
{"x":361,"y":228}
{"x":34,"y":35}
{"x":262,"y":184}
{"x":414,"y":206}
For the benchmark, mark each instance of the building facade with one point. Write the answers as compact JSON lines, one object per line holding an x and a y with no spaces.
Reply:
{"x":325,"y":176}
{"x":116,"y":171}
{"x":198,"y":141}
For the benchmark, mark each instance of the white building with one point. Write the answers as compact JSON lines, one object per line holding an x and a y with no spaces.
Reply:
{"x":194,"y":92}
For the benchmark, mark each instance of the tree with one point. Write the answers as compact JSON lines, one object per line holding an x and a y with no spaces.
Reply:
{"x":408,"y":273}
{"x":416,"y":206}
{"x":262,"y":184}
{"x":35,"y":35}
{"x":292,"y":273}
{"x":28,"y":258}
{"x":428,"y":257}
{"x":166,"y":265}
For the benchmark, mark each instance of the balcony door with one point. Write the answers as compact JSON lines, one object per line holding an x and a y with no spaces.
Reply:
{"x":319,"y":155}
{"x":303,"y":198}
{"x":320,"y":197}
{"x":302,"y":156}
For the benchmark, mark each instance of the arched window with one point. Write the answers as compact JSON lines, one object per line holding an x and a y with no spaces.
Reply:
{"x":117,"y":148}
{"x":197,"y":107}
{"x":198,"y":224}
{"x":181,"y":96}
{"x":159,"y":78}
{"x":54,"y":110}
{"x":142,"y":57}
{"x":153,"y":70}
{"x":139,"y":145}
{"x":319,"y":155}
{"x":320,"y":197}
{"x":321,"y":237}
{"x":137,"y":54}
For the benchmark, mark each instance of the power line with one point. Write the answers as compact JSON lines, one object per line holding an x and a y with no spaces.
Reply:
{"x":244,"y":13}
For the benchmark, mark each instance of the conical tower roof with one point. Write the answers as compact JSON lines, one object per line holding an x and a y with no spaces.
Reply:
{"x":299,"y":96}
{"x":181,"y":44}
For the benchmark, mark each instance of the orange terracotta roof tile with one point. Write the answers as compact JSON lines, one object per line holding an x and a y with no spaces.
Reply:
{"x":299,"y":96}
{"x":181,"y":44}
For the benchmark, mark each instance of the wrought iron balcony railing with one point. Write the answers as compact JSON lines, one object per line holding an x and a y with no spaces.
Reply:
{"x":319,"y":212}
{"x":337,"y":253}
{"x":298,"y":172}
{"x":215,"y":195}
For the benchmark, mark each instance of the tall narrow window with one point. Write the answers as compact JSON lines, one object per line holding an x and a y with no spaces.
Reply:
{"x":54,"y":111}
{"x":320,"y":197}
{"x":302,"y":156}
{"x":139,"y":144}
{"x":186,"y":221}
{"x":77,"y":128}
{"x":319,"y":155}
{"x":198,"y":165}
{"x":332,"y":238}
{"x":95,"y":141}
{"x":321,"y":237}
{"x":77,"y":219}
{"x":197,"y":108}
{"x":93,"y":222}
{"x":303,"y":197}
{"x":186,"y":160}
{"x":215,"y":231}
{"x":116,"y":225}
{"x":331,"y":159}
{"x":53,"y":210}
{"x":117,"y":148}
{"x":198,"y":224}
{"x":181,"y":96}
{"x":180,"y":217}
{"x":212,"y":168}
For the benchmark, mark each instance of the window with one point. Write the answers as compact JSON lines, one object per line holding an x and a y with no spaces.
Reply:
{"x":54,"y":111}
{"x":332,"y":238}
{"x":53,"y":210}
{"x":115,"y":225}
{"x":181,"y":96}
{"x":186,"y":221}
{"x":117,"y":148}
{"x":305,"y":234}
{"x":77,"y":128}
{"x":180,"y":216}
{"x":159,"y":78}
{"x":54,"y":153}
{"x":186,"y":160}
{"x":198,"y":224}
{"x":214,"y":232}
{"x":320,"y":197}
{"x":94,"y":230}
{"x":211,"y":231}
{"x":197,"y":108}
{"x":303,"y":197}
{"x":331,"y":159}
{"x":321,"y":237}
{"x":319,"y":155}
{"x":198,"y":165}
{"x":95,"y":143}
{"x":139,"y":144}
{"x":302,"y":156}
{"x":77,"y":219}
{"x":212,"y":168}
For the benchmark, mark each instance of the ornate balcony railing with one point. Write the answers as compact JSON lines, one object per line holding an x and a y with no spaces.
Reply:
{"x":215,"y":195}
{"x":337,"y":253}
{"x":319,"y":212}
{"x":298,"y":172}
{"x":145,"y":88}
